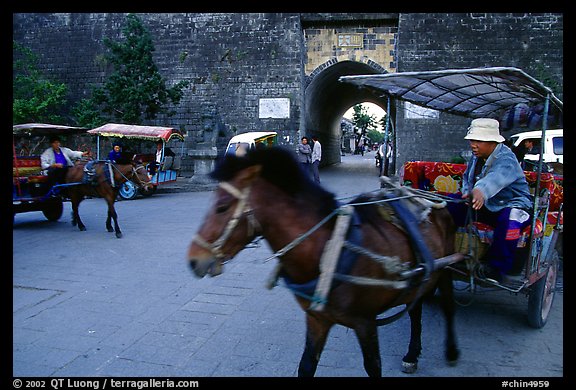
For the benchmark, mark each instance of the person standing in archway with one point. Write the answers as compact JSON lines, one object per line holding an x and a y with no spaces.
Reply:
{"x":305,"y":154}
{"x":316,"y":158}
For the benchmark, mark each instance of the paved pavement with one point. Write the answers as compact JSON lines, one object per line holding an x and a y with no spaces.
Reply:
{"x":88,"y":304}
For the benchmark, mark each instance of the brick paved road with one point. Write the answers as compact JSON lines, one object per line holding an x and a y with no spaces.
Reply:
{"x":88,"y":304}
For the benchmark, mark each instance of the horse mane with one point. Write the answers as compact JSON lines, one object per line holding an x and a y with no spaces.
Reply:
{"x":280,"y":168}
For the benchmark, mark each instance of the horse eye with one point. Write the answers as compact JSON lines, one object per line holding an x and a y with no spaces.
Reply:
{"x":222,"y":208}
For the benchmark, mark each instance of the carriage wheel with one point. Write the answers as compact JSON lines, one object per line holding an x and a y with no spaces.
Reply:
{"x":542,"y":295}
{"x":53,"y":209}
{"x":128,"y":190}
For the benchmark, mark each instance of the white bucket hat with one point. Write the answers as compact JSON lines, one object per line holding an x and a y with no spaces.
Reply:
{"x":484,"y":129}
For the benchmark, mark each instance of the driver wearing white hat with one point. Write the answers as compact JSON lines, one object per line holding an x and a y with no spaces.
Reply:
{"x":499,"y":192}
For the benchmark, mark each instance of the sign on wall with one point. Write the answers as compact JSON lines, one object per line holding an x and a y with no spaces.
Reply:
{"x":274,"y":108}
{"x":350,"y":40}
{"x":412,"y":111}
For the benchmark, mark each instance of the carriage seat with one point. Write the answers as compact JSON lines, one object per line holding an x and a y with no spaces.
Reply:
{"x":485,"y":233}
{"x":26,"y":166}
{"x":446,"y":178}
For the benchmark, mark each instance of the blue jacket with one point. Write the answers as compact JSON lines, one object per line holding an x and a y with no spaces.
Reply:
{"x":114,"y":155}
{"x":501,"y":181}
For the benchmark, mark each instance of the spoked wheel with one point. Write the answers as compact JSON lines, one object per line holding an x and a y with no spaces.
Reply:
{"x":128,"y":190}
{"x":542,"y":295}
{"x":53,"y":209}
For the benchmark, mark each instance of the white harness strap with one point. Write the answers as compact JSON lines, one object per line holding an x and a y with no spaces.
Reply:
{"x":111,"y":174}
{"x":242,"y":208}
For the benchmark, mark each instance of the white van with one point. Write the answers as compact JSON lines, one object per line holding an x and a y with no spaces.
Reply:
{"x":240,"y":144}
{"x":553,"y":144}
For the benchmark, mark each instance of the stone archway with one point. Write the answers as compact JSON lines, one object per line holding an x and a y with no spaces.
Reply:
{"x":326,"y":99}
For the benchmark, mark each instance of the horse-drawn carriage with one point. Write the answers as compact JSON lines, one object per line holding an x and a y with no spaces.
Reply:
{"x":169,"y":166}
{"x":31,"y":190}
{"x":492,"y":93}
{"x":34,"y":190}
{"x":349,"y":263}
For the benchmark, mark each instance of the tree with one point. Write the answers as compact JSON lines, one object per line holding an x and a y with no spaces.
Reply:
{"x":362,"y":122}
{"x":35,"y":98}
{"x":135,"y":89}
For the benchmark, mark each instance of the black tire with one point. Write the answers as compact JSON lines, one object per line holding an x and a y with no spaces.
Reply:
{"x":128,"y":191}
{"x":53,"y":209}
{"x":149,"y":192}
{"x":542,"y":294}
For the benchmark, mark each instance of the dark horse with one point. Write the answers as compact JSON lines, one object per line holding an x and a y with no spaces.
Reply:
{"x":266,"y":194}
{"x":107,"y":181}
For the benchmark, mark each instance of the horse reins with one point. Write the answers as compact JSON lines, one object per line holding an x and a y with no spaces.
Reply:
{"x":243,"y":208}
{"x":134,"y":173}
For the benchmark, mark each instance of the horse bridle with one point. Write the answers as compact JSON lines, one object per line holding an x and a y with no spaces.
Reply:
{"x":135,"y":174}
{"x":242,"y":209}
{"x":134,"y":171}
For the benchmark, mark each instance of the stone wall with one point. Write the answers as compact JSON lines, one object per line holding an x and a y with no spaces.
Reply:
{"x":235,"y":60}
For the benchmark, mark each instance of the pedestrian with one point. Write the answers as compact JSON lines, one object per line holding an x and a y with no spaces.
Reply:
{"x":316,"y":158}
{"x":305,"y":154}
{"x":499,"y":193}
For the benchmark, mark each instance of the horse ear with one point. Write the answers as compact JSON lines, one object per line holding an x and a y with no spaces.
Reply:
{"x":248,"y":175}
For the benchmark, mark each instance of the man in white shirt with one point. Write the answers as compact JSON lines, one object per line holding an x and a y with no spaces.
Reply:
{"x":316,"y":157}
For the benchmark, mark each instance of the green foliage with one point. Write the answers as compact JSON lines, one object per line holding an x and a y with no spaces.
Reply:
{"x":375,"y":136}
{"x":135,"y":89}
{"x":362,"y":120}
{"x":545,"y":77}
{"x":35,"y":98}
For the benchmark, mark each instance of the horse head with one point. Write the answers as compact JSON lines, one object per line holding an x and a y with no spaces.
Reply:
{"x":139,"y":175}
{"x":229,"y":224}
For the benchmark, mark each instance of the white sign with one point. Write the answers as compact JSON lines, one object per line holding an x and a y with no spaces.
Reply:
{"x":274,"y":108}
{"x":412,"y":111}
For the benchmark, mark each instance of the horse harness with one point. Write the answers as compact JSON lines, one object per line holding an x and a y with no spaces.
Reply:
{"x":343,"y":248}
{"x":90,"y":173}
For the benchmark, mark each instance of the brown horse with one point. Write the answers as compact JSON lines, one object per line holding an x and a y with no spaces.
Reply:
{"x":266,"y":194}
{"x":107,"y":181}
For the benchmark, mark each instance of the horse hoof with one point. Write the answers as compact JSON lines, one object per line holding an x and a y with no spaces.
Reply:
{"x":82,"y":228}
{"x":452,"y":363}
{"x":110,"y":230}
{"x":409,"y":368}
{"x":118,"y":235}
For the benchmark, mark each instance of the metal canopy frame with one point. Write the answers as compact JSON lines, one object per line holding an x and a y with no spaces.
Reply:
{"x":475,"y":92}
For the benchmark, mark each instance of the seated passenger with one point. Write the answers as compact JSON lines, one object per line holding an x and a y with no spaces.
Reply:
{"x":116,"y":152}
{"x":498,"y":191}
{"x":161,"y":153}
{"x":57,"y":159}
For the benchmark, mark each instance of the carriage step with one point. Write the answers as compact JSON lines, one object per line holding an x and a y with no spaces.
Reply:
{"x":510,"y":283}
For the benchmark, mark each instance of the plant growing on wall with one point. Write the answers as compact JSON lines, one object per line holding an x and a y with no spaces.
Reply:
{"x":35,"y":98}
{"x":135,"y":90}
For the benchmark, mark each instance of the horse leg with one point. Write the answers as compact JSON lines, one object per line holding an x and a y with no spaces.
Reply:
{"x":410,"y":360}
{"x":367,"y":334}
{"x":112,"y":215}
{"x":75,"y":200}
{"x":447,"y":303}
{"x":316,"y":334}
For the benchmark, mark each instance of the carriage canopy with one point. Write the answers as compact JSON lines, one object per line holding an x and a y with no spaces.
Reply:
{"x":493,"y":92}
{"x":152,"y":133}
{"x":45,"y":129}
